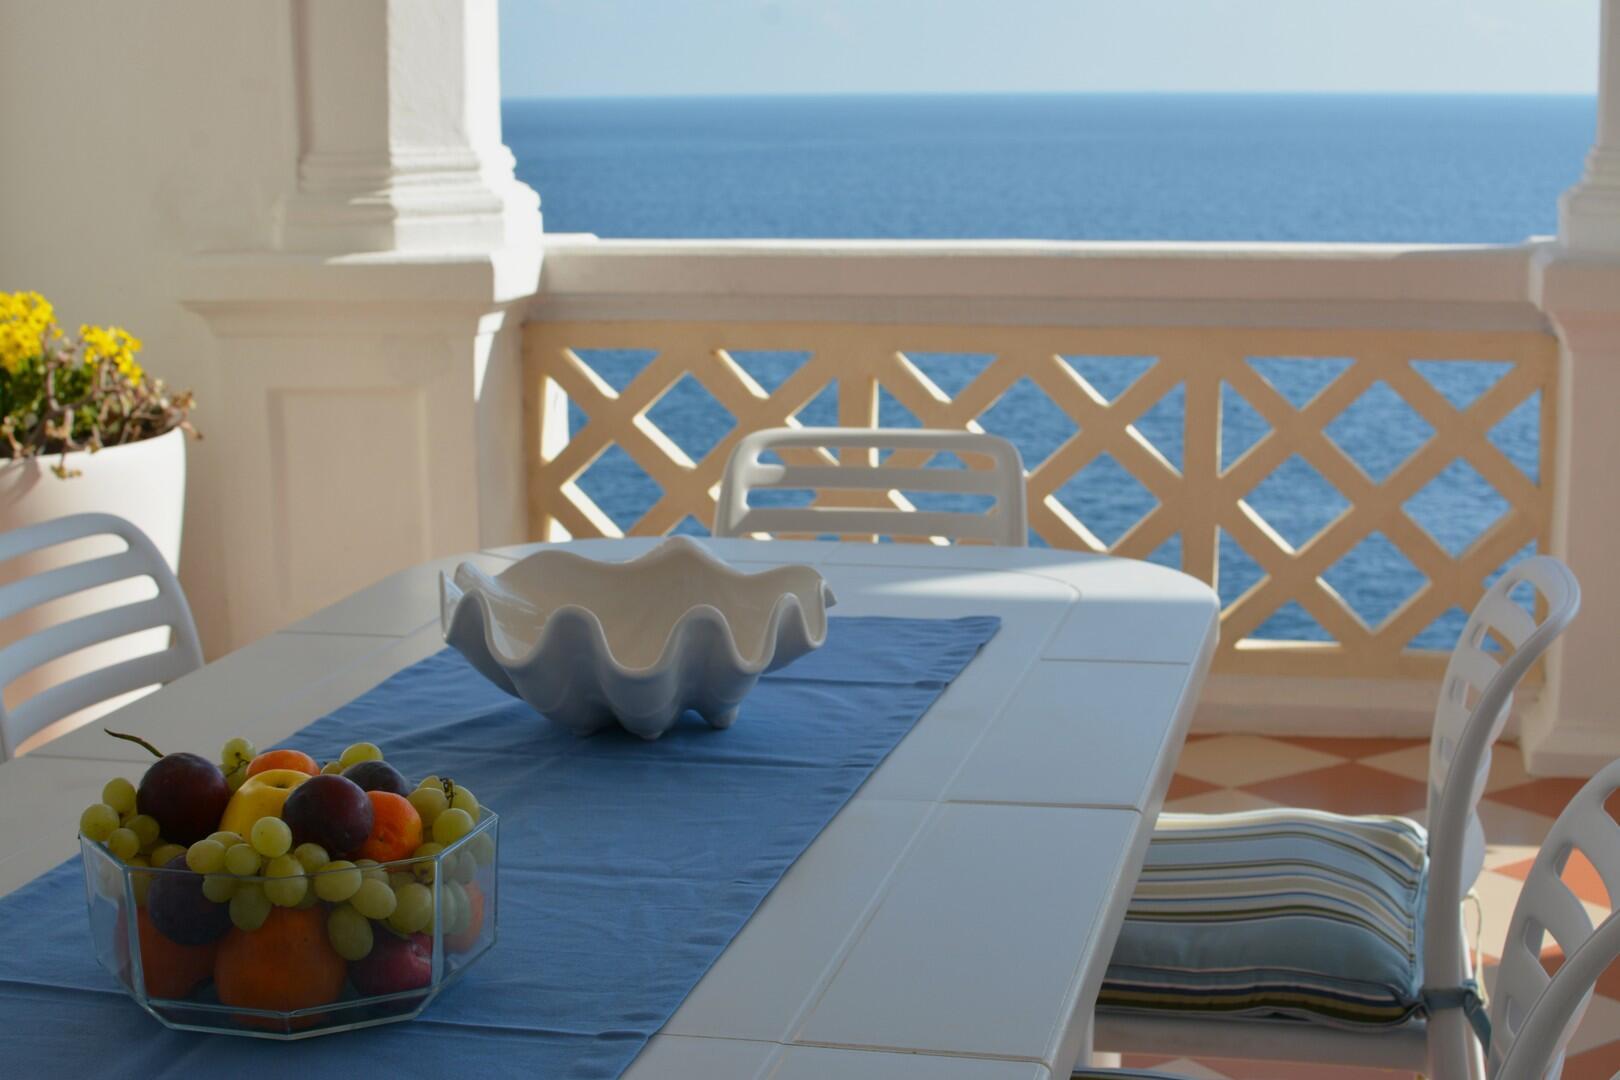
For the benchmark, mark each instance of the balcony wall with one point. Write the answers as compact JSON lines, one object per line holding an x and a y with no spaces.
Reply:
{"x":852,"y":317}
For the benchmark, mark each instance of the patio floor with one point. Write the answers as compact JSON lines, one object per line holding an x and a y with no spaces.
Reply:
{"x":1368,"y":776}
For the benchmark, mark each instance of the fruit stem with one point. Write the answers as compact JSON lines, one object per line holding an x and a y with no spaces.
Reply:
{"x":136,"y":739}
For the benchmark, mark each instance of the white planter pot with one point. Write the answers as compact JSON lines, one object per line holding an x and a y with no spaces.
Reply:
{"x":143,"y":482}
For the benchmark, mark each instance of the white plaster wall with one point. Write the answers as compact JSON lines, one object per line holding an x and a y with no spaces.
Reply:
{"x":133,"y":135}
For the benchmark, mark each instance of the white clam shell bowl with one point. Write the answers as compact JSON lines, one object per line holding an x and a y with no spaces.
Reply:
{"x":638,"y":643}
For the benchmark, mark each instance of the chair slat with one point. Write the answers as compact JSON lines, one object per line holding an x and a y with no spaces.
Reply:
{"x":879,"y":478}
{"x":81,"y":633}
{"x":67,"y":698}
{"x":168,"y":609}
{"x":31,"y":592}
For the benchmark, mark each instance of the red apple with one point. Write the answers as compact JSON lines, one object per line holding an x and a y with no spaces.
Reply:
{"x":394,"y":964}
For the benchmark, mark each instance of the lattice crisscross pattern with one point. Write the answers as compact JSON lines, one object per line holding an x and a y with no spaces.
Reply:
{"x":1164,"y":430}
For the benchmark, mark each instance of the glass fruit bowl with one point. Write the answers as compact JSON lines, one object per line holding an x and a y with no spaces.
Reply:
{"x":334,"y":950}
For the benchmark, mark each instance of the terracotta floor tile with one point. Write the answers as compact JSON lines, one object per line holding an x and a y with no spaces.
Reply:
{"x":1184,"y":787}
{"x":1547,"y":796}
{"x":1354,"y":749}
{"x":1411,"y":762}
{"x":1506,"y":824}
{"x":1344,"y":789}
{"x":1233,"y":760}
{"x":1599,"y":1064}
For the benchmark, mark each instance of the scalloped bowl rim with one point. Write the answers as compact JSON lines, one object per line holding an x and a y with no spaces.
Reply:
{"x":813,"y":617}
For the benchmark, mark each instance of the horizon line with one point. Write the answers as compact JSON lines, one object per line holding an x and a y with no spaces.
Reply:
{"x":758,"y":94}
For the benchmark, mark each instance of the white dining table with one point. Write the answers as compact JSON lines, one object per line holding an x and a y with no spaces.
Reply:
{"x":953,"y":921}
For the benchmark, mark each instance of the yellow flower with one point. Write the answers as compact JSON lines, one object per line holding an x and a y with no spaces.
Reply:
{"x":112,"y":343}
{"x":26,"y":319}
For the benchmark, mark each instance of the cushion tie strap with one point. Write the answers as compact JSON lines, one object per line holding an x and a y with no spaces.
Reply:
{"x":1465,"y":997}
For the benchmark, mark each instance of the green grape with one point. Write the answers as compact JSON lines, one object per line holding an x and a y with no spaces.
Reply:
{"x":463,"y":799}
{"x":430,"y":803}
{"x":219,"y":887}
{"x":482,"y":847}
{"x":311,"y":855}
{"x":457,"y":908}
{"x":237,"y":752}
{"x":349,"y":932}
{"x":225,"y":838}
{"x":287,"y":884}
{"x":163,"y":853}
{"x":370,"y":869}
{"x":425,"y":870}
{"x":206,"y":856}
{"x":242,"y":860}
{"x":431,"y":781}
{"x":337,"y":881}
{"x":119,"y":794}
{"x":249,"y":907}
{"x":309,"y":900}
{"x":451,"y":826}
{"x":137,"y":860}
{"x":461,"y":866}
{"x":374,"y":899}
{"x":360,"y":751}
{"x":124,"y":844}
{"x":98,"y":822}
{"x":271,"y":837}
{"x":146,"y":829}
{"x":332,"y":767}
{"x":236,"y":777}
{"x":413,"y":908}
{"x":398,"y":879}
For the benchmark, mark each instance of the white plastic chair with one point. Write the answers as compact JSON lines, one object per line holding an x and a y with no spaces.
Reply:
{"x":1476,"y":696}
{"x":1533,"y":1016}
{"x":167,"y":609}
{"x":1005,"y":523}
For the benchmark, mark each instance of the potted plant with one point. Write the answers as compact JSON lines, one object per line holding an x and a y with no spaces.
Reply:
{"x":83,"y":427}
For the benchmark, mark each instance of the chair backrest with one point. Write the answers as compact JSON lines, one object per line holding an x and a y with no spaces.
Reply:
{"x":168,"y":608}
{"x":1500,"y":643}
{"x":1533,"y":1015}
{"x":807,"y":464}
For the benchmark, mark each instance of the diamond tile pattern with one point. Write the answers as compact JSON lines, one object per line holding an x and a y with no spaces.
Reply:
{"x":1232,"y":772}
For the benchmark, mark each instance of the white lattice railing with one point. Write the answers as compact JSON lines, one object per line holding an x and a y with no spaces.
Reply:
{"x":1201,"y":493}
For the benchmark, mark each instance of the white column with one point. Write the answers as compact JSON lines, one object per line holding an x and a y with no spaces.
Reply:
{"x":369,"y":352}
{"x":1575,"y":727}
{"x":1589,"y":213}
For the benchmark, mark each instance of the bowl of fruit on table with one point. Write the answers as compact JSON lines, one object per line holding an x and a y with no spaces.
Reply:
{"x":270,"y":895}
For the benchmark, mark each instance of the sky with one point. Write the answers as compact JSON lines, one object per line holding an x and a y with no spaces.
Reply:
{"x":574,"y":48}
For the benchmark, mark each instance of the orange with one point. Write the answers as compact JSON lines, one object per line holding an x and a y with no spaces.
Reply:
{"x":467,"y":938}
{"x":286,"y":964}
{"x":284,"y":759}
{"x":171,"y":970}
{"x":396,"y":828}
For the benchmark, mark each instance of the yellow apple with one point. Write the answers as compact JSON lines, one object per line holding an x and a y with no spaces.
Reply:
{"x":260,"y":795}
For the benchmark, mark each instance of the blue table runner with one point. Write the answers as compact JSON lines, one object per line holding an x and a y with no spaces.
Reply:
{"x":626,"y":868}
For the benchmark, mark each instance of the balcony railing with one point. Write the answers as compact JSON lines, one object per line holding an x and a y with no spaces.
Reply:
{"x":1265,"y":457}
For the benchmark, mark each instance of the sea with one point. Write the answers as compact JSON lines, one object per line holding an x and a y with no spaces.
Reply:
{"x":1484,"y":169}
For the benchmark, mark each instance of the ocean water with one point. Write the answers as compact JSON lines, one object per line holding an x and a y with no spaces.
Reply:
{"x":1101,"y":167}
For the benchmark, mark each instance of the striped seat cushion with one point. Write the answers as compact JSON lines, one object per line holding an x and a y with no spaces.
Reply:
{"x":1284,"y":913}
